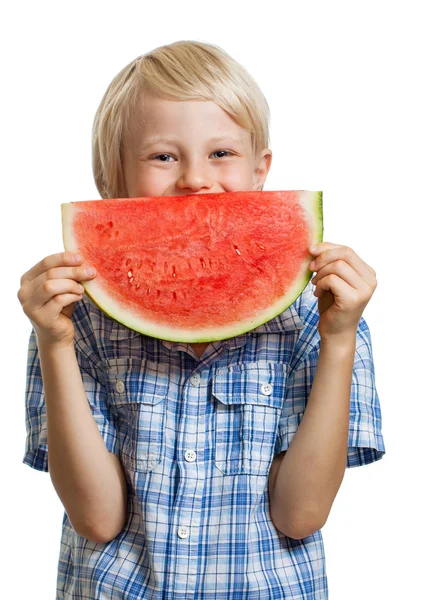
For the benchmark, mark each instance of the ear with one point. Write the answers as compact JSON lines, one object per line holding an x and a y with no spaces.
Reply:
{"x":262,"y":166}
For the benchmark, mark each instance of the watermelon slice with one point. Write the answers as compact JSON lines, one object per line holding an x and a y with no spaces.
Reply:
{"x":196,"y":268}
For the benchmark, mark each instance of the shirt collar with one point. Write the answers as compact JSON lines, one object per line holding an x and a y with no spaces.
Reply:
{"x":289,"y":320}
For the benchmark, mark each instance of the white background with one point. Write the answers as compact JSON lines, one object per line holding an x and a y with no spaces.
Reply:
{"x":351,"y":95}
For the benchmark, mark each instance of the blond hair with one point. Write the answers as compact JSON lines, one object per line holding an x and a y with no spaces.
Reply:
{"x":184,"y":70}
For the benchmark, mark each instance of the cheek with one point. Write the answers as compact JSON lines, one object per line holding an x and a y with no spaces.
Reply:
{"x":147,"y":182}
{"x":237,"y":179}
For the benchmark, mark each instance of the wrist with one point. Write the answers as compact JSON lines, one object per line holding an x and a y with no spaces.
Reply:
{"x":50,"y":347}
{"x":342,"y":343}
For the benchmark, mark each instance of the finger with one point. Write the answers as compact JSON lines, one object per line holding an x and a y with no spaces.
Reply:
{"x":61,"y":301}
{"x":322,"y":247}
{"x":343,"y":293}
{"x":55,"y":287}
{"x":348,"y":255}
{"x":45,"y":316}
{"x":61,"y":304}
{"x":343,"y":270}
{"x":31,"y":287}
{"x":69,"y":309}
{"x":48,"y":290}
{"x":49,"y":262}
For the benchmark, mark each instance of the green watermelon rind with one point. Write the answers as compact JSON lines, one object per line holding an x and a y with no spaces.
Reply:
{"x":312,"y":202}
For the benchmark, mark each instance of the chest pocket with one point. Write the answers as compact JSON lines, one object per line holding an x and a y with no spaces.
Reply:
{"x":138,"y":398}
{"x":249,"y":401}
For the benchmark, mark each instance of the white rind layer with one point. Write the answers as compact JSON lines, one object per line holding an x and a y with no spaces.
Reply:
{"x":311,"y":201}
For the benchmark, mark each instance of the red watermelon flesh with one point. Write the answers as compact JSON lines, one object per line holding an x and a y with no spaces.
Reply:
{"x":200,"y":267}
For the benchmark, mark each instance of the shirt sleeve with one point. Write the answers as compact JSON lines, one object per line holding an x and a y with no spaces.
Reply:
{"x":36,"y":447}
{"x":365,"y":440}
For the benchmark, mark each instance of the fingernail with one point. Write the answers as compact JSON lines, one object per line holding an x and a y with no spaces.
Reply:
{"x":78,"y":258}
{"x":90,"y":271}
{"x":313,"y":248}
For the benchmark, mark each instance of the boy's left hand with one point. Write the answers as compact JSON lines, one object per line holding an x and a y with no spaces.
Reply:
{"x":344,"y":286}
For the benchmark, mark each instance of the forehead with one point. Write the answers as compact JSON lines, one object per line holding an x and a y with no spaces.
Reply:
{"x":186,"y":118}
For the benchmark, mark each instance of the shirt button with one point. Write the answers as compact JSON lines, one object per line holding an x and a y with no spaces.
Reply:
{"x":195,"y":380}
{"x":190,"y":455}
{"x":266,"y":389}
{"x":120,"y":386}
{"x":183,"y":532}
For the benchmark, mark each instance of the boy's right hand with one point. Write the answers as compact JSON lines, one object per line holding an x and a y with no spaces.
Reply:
{"x":47,"y":294}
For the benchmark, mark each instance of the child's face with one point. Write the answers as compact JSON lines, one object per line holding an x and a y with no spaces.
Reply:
{"x":187,"y":147}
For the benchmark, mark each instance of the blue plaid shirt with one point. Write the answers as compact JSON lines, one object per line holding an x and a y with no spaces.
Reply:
{"x":196,"y":438}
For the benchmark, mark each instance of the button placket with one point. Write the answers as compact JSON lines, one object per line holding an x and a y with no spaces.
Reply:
{"x":183,"y":532}
{"x":195,"y":380}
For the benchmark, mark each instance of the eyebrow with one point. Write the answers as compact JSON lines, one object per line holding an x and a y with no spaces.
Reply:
{"x":156,"y":139}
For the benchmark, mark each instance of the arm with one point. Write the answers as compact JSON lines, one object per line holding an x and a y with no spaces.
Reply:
{"x":305,"y":479}
{"x":309,"y":475}
{"x":88,"y":478}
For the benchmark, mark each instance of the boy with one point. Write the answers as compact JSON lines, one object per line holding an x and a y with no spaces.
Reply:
{"x":181,"y":475}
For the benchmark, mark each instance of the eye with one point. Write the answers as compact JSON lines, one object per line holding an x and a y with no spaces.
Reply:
{"x":221,"y":153}
{"x":163,"y":157}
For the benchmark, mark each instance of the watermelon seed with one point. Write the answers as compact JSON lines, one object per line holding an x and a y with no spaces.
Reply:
{"x":110,"y":224}
{"x":173,"y":271}
{"x":128,"y":262}
{"x":174,"y":295}
{"x":237,"y":251}
{"x":129,"y":273}
{"x":158,"y":292}
{"x":148,"y":291}
{"x":203,"y":263}
{"x":137,"y":286}
{"x":261,"y":247}
{"x":132,"y":279}
{"x":139,"y":264}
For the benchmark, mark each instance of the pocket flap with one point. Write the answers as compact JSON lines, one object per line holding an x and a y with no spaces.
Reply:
{"x":253,"y":383}
{"x":132,"y":380}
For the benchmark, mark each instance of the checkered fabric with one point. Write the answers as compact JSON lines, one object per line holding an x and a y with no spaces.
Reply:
{"x":196,"y":438}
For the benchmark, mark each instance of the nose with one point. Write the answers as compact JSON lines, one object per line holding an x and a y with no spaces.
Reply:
{"x":194,"y":177}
